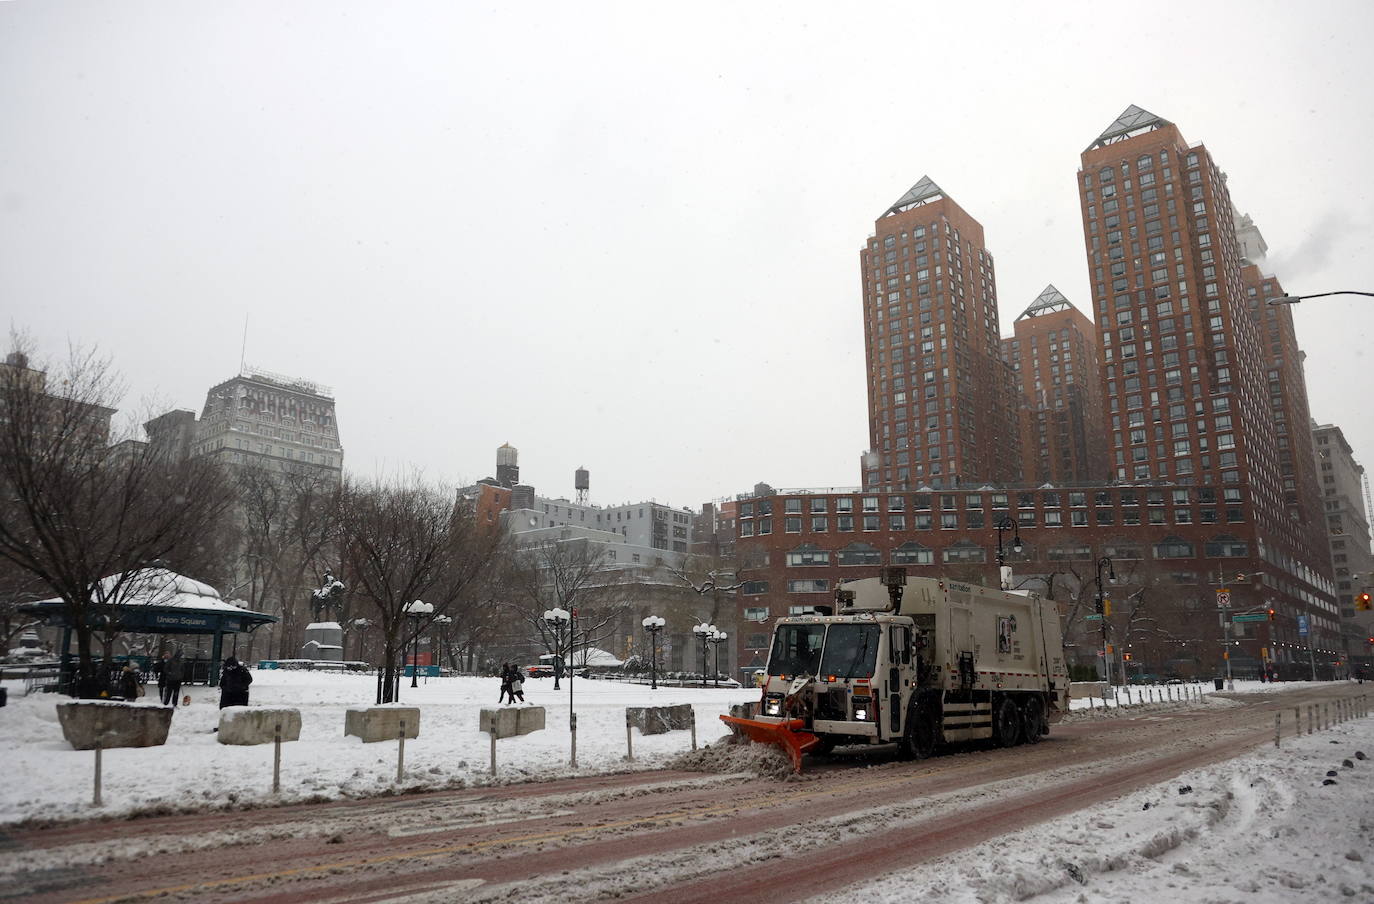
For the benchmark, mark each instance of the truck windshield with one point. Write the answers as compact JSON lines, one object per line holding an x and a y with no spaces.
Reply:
{"x":851,"y":651}
{"x":796,"y":650}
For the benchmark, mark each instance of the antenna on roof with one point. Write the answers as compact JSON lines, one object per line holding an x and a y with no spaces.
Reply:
{"x":243,"y":352}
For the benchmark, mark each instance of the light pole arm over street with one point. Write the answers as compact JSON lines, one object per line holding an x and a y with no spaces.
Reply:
{"x":1294,"y":299}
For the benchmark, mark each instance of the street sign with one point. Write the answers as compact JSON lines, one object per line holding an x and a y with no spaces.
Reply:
{"x":1302,"y":625}
{"x":1093,"y":617}
{"x":1224,"y":598}
{"x":1258,"y":616}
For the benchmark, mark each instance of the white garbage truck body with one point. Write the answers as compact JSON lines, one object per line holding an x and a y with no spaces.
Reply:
{"x":920,"y":662}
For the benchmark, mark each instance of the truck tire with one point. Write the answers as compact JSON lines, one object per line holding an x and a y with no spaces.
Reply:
{"x":823,"y":747}
{"x":1033,"y":720}
{"x":920,"y":737}
{"x":1006,"y":723}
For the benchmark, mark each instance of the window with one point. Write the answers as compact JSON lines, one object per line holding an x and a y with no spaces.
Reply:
{"x":754,"y":588}
{"x":819,"y":524}
{"x":912,"y":553}
{"x":792,"y":524}
{"x":965,"y":552}
{"x":756,"y":613}
{"x":792,"y":506}
{"x":1225,"y":546}
{"x":1069,"y":552}
{"x":818,"y":504}
{"x":1172,"y":547}
{"x":844,"y":504}
{"x":808,"y":554}
{"x":816,"y":585}
{"x":844,"y":523}
{"x":870,"y":503}
{"x":871,"y":522}
{"x":860,"y":554}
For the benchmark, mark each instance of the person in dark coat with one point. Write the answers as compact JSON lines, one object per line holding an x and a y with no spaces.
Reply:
{"x":517,"y":683}
{"x":128,"y":681}
{"x":169,"y":677}
{"x":505,"y":684}
{"x":233,"y":684}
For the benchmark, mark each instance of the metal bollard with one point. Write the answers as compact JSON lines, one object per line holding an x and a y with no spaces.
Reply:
{"x":1276,"y":729}
{"x":694,"y":728}
{"x":99,"y":743}
{"x":276,"y":759}
{"x":572,"y":728}
{"x":1326,"y":718}
{"x":1311,"y":719}
{"x":1297,"y":721}
{"x":401,"y":752}
{"x":629,"y":739}
{"x":492,"y":734}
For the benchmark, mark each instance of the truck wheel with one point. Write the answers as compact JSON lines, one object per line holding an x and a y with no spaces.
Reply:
{"x":1006,"y":723}
{"x":823,"y":747}
{"x":1033,"y":717}
{"x":919,"y":740}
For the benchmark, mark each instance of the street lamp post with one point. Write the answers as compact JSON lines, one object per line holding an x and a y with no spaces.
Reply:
{"x":1006,"y":524}
{"x":416,"y":611}
{"x":1102,"y":611}
{"x":703,"y":632}
{"x":653,"y":624}
{"x":558,"y":620}
{"x":443,"y":621}
{"x":717,"y":638}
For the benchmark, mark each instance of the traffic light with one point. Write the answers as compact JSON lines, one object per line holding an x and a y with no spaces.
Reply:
{"x":1271,"y":614}
{"x":1362,"y":601}
{"x":1126,"y":656}
{"x":1107,"y":608}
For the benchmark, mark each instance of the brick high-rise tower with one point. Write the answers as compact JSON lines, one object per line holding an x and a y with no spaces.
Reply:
{"x":1054,"y":355}
{"x":940,"y":403}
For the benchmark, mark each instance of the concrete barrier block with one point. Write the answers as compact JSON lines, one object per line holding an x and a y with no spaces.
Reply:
{"x":658,"y":719}
{"x":742,"y":711}
{"x":508,"y":722}
{"x":381,"y":723}
{"x":1081,"y":690}
{"x":257,"y":724}
{"x":115,"y":724}
{"x":528,"y":719}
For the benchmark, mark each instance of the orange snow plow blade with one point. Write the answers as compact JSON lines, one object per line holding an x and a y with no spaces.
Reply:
{"x":789,"y":735}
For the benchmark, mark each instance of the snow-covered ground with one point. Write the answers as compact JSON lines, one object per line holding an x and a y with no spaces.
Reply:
{"x":1258,"y":829}
{"x":46,"y":779}
{"x":1264,"y":828}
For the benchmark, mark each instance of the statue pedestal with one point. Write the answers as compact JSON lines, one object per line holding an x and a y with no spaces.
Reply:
{"x":323,"y":642}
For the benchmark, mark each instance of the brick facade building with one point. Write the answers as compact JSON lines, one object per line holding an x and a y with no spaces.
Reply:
{"x":1202,"y":397}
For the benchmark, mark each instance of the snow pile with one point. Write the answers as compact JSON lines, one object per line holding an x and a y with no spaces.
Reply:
{"x":763,"y":760}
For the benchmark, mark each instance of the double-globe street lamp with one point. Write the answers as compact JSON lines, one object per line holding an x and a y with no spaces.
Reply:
{"x":653,"y":624}
{"x":558,"y":621}
{"x":1004,"y":525}
{"x":416,"y":611}
{"x":704,"y":633}
{"x":716,"y":639}
{"x":442,"y":622}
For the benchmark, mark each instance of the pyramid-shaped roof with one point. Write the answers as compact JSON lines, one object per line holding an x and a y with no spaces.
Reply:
{"x":1131,"y":122}
{"x":1047,"y":302}
{"x":923,"y":191}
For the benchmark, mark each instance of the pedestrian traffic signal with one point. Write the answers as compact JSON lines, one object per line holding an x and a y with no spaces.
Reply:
{"x":1362,"y":601}
{"x":1271,"y":614}
{"x":1126,"y":656}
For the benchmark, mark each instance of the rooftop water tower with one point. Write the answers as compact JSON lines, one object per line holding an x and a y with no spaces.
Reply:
{"x":582,"y":483}
{"x":507,"y":465}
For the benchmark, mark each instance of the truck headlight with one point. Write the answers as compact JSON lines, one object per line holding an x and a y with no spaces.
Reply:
{"x":772,"y":705}
{"x":863,"y":709}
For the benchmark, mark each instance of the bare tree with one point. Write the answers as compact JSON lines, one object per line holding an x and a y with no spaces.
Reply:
{"x":81,"y":517}
{"x":572,"y":574}
{"x":402,"y":542}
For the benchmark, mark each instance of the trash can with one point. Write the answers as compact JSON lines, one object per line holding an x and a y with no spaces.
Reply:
{"x":1219,"y":683}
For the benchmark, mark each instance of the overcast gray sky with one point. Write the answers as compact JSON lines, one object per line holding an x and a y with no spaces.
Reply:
{"x":615,"y":235}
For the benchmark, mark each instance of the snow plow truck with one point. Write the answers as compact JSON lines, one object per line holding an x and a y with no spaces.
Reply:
{"x":918,"y":662}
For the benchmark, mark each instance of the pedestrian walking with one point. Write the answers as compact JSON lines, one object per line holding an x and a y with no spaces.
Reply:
{"x":129,"y":685}
{"x":169,"y":677}
{"x":505,"y":684}
{"x":517,"y":684}
{"x":233,"y":684}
